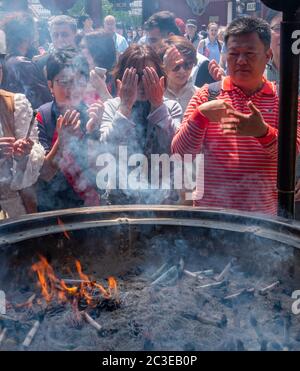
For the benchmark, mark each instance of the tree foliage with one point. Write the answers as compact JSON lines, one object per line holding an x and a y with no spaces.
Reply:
{"x":121,"y":16}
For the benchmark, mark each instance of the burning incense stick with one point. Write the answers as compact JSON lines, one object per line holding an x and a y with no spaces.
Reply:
{"x":7,"y":320}
{"x":92,"y":322}
{"x":170,"y":274}
{"x":190,"y":274}
{"x":225,"y":272}
{"x":75,"y":282}
{"x":203,"y":318}
{"x":31,"y":334}
{"x":159,"y":272}
{"x":27,"y":303}
{"x":207,"y":272}
{"x":31,"y":124}
{"x":218,"y":322}
{"x":213,"y":284}
{"x":265,"y":290}
{"x":2,"y":335}
{"x":239,"y":294}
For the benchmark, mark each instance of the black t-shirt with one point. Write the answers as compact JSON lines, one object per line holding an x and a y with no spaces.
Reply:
{"x":203,"y":76}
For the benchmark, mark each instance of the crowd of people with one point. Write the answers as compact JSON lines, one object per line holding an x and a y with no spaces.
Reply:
{"x":166,"y":88}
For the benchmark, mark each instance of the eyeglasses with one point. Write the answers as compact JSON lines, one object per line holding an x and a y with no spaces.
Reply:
{"x":276,"y":28}
{"x":152,"y":40}
{"x":186,"y":66}
{"x":62,"y":35}
{"x":71,"y":83}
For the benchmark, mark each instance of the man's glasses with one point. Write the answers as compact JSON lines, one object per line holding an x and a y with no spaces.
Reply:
{"x":186,"y":66}
{"x":62,"y":35}
{"x":152,"y":40}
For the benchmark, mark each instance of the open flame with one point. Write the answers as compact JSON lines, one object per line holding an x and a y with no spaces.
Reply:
{"x":54,"y":288}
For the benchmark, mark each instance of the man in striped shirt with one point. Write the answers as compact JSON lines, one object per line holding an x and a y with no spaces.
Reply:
{"x":237,"y":131}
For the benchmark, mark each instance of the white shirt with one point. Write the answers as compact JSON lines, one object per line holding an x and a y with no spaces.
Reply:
{"x":21,"y":180}
{"x":184,"y":96}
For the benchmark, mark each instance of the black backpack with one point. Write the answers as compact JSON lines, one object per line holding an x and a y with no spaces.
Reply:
{"x":214,"y":90}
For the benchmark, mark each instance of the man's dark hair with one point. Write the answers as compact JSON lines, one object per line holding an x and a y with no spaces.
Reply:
{"x":248,"y":25}
{"x":102,"y":49}
{"x":18,"y":27}
{"x":62,"y":59}
{"x":81,"y":20}
{"x":163,"y":20}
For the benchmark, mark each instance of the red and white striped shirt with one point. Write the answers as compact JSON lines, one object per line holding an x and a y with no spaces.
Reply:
{"x":239,"y":172}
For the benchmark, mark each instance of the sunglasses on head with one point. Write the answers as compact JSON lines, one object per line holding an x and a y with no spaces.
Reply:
{"x":186,"y":66}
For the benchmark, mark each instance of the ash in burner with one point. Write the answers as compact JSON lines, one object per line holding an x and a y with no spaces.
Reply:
{"x":175,"y":295}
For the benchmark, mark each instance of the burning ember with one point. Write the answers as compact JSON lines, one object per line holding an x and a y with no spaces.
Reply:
{"x":87,"y":293}
{"x":83,"y":295}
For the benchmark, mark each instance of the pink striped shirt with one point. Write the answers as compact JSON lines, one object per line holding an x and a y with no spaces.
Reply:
{"x":239,"y":172}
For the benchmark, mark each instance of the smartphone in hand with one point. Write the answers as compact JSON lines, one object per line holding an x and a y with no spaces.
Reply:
{"x":101,"y":71}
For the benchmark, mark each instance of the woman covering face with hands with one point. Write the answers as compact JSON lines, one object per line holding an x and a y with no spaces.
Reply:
{"x":140,"y":118}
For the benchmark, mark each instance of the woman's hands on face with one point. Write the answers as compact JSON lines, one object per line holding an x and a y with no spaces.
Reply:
{"x":154,"y":87}
{"x":127,"y":90}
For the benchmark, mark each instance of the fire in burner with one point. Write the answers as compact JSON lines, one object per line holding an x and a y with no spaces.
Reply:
{"x":87,"y":294}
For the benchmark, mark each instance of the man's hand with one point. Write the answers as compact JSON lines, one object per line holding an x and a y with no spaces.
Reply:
{"x":215,"y":110}
{"x":95,"y":112}
{"x":7,"y":147}
{"x":127,"y":91}
{"x":22,"y":148}
{"x":237,"y":123}
{"x":216,"y":72}
{"x":154,"y":87}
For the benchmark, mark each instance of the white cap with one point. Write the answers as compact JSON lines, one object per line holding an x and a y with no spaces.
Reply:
{"x":2,"y":42}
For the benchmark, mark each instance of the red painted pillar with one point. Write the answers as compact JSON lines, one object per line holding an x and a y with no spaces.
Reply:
{"x":95,"y":10}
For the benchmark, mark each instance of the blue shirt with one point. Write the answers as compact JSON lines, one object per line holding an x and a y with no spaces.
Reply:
{"x":211,"y":50}
{"x":120,"y":43}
